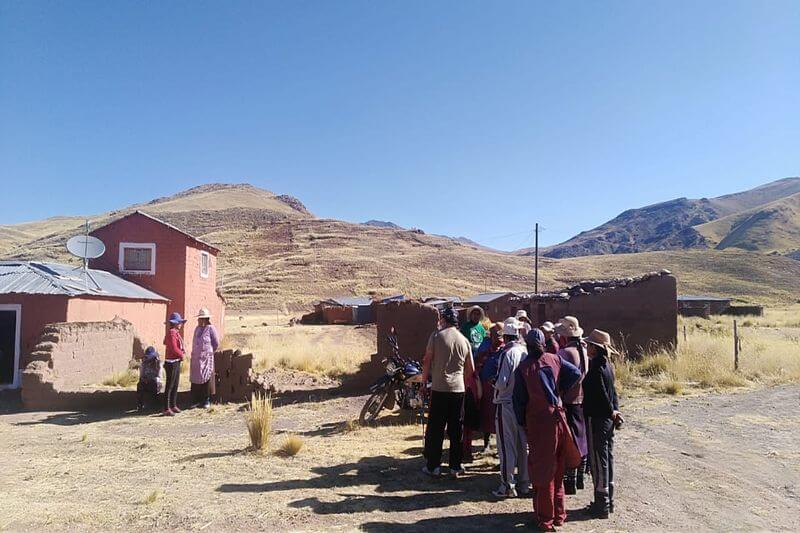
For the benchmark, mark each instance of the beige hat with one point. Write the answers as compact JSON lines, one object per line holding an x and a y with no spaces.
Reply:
{"x":203,"y":313}
{"x":548,"y":327}
{"x":511,"y":326}
{"x":570,"y":327}
{"x":476,"y":308}
{"x":522,"y":314}
{"x":602,"y":339}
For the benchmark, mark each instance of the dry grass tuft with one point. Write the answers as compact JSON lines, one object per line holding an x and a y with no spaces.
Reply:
{"x":669,"y":387}
{"x":85,"y":437}
{"x":351,"y":425}
{"x":291,"y":446}
{"x":152,"y":497}
{"x":124,"y":379}
{"x":259,"y":422}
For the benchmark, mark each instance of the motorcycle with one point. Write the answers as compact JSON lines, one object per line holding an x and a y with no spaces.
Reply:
{"x":401,"y":386}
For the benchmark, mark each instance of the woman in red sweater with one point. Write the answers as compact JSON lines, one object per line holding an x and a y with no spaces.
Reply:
{"x":172,"y":363}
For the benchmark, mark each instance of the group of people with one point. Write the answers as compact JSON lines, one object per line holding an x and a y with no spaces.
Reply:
{"x":205,"y":342}
{"x":546,"y":392}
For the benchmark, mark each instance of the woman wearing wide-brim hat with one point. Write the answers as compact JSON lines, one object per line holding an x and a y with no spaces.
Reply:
{"x":204,"y":343}
{"x":601,"y":408}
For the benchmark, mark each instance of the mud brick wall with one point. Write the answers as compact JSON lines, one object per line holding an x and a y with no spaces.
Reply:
{"x":73,"y":354}
{"x":641,"y":316}
{"x":233,"y":376}
{"x":413,"y":323}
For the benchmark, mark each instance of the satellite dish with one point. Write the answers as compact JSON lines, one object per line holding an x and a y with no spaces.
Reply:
{"x":86,"y":247}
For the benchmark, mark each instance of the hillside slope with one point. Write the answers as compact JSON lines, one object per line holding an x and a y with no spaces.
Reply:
{"x":277,"y":258}
{"x":676,"y":225}
{"x":774,"y":227}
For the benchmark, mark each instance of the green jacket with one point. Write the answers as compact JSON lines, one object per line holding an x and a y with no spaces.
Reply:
{"x":474,"y":334}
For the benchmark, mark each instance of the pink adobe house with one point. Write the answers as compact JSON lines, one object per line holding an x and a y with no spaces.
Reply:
{"x":166,"y":260}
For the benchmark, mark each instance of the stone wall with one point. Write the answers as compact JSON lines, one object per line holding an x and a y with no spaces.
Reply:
{"x":72,"y":354}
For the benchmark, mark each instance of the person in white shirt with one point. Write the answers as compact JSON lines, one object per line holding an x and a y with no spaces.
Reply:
{"x":512,"y":443}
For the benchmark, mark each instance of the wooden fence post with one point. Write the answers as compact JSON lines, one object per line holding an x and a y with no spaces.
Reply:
{"x":735,"y":346}
{"x":684,"y":333}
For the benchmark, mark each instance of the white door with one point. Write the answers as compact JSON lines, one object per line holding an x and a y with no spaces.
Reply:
{"x":10,"y":322}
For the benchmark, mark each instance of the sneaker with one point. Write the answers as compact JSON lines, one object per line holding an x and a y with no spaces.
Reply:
{"x":206,"y":405}
{"x":168,"y":412}
{"x":436,"y":472}
{"x":525,"y":491}
{"x":505,"y":492}
{"x":458,"y":471}
{"x":176,"y":410}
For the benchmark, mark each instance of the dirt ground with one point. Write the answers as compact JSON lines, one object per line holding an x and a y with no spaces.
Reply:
{"x":707,"y":462}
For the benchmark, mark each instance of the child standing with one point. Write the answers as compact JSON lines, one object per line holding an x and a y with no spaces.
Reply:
{"x":149,"y":378}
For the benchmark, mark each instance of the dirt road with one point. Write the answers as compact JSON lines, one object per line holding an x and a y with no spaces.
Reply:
{"x":711,"y":462}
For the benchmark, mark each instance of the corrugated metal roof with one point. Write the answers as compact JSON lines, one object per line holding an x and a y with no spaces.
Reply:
{"x":702,"y":298}
{"x":351,"y":301}
{"x":21,"y":277}
{"x":485,"y":297}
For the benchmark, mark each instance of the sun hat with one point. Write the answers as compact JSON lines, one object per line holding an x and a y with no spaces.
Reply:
{"x":521,"y":314}
{"x":570,"y":326}
{"x":511,"y":327}
{"x":548,"y":326}
{"x":602,"y":339}
{"x":203,"y":313}
{"x":176,"y":318}
{"x":476,"y":308}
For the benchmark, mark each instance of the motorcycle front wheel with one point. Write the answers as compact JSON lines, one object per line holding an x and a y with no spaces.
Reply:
{"x":371,"y":409}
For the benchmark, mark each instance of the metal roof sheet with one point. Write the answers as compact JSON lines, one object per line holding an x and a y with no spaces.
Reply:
{"x":485,"y":297}
{"x":22,"y":277}
{"x":351,"y":301}
{"x":703,"y":298}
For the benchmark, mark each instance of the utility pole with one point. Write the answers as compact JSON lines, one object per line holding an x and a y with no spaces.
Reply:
{"x":536,"y":260}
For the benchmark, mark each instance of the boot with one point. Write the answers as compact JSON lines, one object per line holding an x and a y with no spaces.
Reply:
{"x":611,"y":497}
{"x":600,"y":507}
{"x":569,"y":482}
{"x":579,"y":475}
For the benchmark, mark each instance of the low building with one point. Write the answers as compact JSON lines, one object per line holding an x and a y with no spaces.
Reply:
{"x":702,"y":306}
{"x":496,"y":305}
{"x":164,"y":259}
{"x":35,"y":294}
{"x":639,"y":313}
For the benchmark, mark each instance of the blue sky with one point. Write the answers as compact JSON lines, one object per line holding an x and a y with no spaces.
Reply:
{"x":461,"y":118}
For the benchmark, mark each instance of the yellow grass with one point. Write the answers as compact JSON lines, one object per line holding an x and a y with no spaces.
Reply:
{"x":325,"y":350}
{"x":124,"y":379}
{"x":291,"y":446}
{"x":706,"y":359}
{"x":152,"y":497}
{"x":259,"y":422}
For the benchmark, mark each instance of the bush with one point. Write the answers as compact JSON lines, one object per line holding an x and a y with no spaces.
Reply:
{"x":654,"y":365}
{"x":291,"y":446}
{"x":259,"y":421}
{"x":124,"y":379}
{"x":670,"y":387}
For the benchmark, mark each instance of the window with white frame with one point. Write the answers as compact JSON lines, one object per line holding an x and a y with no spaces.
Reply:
{"x":137,"y":258}
{"x":205,"y":264}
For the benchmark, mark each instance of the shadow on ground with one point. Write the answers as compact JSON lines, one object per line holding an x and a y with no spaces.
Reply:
{"x":392,"y":479}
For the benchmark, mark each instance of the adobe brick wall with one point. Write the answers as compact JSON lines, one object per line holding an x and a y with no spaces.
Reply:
{"x":38,"y":310}
{"x":70,"y":355}
{"x":413,"y":322}
{"x":202,"y":292}
{"x":147,"y":317}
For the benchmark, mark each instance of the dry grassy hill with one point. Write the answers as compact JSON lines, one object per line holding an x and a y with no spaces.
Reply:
{"x":275,"y":254}
{"x":761,"y":219}
{"x":774,"y":227}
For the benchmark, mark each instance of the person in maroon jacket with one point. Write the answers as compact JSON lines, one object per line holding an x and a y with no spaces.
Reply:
{"x":172,"y":363}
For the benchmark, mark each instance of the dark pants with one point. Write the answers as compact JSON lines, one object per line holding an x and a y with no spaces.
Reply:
{"x":201,"y":393}
{"x":600,"y":433}
{"x":147,"y":394}
{"x":173,"y":372}
{"x":573,"y":477}
{"x":446,"y":411}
